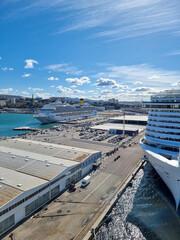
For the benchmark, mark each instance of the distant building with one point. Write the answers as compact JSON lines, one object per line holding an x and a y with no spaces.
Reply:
{"x":2,"y":103}
{"x":130,"y":119}
{"x":113,"y":100}
{"x":110,"y":107}
{"x":38,"y":99}
{"x":13,"y":100}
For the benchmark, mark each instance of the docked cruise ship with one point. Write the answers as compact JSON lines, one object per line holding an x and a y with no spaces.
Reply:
{"x":162,"y":139}
{"x":58,"y":112}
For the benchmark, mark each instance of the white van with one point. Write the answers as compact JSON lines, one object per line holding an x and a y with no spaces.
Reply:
{"x":86,"y":181}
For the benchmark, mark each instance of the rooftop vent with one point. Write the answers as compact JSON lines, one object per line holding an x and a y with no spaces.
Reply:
{"x":0,"y":186}
{"x":13,"y":156}
{"x":47,"y":165}
{"x":1,"y":179}
{"x":26,"y":160}
{"x":19,"y":185}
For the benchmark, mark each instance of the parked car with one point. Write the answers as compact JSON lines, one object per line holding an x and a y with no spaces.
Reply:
{"x":72,"y":187}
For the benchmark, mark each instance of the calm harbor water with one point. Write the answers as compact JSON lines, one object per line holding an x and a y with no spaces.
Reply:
{"x":8,"y":121}
{"x":144,"y":211}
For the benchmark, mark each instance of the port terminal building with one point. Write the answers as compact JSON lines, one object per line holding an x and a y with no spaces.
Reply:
{"x":131,"y":124}
{"x":32,"y":173}
{"x":130,"y":119}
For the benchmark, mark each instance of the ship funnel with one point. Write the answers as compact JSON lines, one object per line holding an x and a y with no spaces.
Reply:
{"x":81,"y":101}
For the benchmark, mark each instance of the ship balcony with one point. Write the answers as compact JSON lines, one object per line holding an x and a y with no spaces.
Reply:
{"x":163,"y":130}
{"x":157,"y":141}
{"x":163,"y":124}
{"x":171,"y":137}
{"x":165,"y":151}
{"x":160,"y":113}
{"x":164,"y":119}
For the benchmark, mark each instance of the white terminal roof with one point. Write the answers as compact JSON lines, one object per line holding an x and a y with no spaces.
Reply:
{"x":131,"y":117}
{"x":26,"y":164}
{"x":50,"y":149}
{"x":119,"y":126}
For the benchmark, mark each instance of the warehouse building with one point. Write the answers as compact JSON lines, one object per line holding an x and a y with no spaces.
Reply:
{"x":130,"y":119}
{"x":129,"y":124}
{"x":32,"y":173}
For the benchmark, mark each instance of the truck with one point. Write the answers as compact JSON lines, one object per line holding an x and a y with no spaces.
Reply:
{"x":85,"y":181}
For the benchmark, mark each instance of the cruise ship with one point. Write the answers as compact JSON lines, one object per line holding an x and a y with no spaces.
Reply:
{"x":58,"y":112}
{"x":162,"y":139}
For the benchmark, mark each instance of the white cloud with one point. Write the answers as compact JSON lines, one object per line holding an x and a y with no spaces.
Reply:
{"x":64,"y":67}
{"x":176,"y":84}
{"x":52,"y":86}
{"x":105,"y":82}
{"x":154,"y":77}
{"x":115,"y":19}
{"x":177,"y":52}
{"x":26,"y":75}
{"x":6,"y":90}
{"x":67,"y":91}
{"x":43,"y":95}
{"x":137,"y":83}
{"x":37,"y":89}
{"x":77,"y":91}
{"x":30,"y":63}
{"x":149,"y":75}
{"x":62,"y":89}
{"x":120,"y":90}
{"x":106,"y":92}
{"x":53,"y":78}
{"x":78,"y":81}
{"x":118,"y":86}
{"x":6,"y":69}
{"x":0,"y":58}
{"x":91,"y":91}
{"x":142,"y":89}
{"x":25,"y":93}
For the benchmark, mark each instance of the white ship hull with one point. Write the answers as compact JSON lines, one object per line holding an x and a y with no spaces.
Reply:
{"x":52,"y":118}
{"x":162,"y":139}
{"x":168,"y":170}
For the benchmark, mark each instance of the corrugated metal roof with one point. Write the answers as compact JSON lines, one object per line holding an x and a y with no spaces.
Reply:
{"x":13,"y":178}
{"x":19,"y":157}
{"x":13,"y":161}
{"x":59,"y":151}
{"x":131,"y":117}
{"x":119,"y":126}
{"x":44,"y":170}
{"x":7,"y":193}
{"x":26,"y":164}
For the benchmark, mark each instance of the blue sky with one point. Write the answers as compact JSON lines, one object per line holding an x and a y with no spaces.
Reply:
{"x":97,"y":49}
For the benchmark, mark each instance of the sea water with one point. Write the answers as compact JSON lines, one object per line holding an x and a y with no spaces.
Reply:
{"x":8,"y":121}
{"x":144,"y":211}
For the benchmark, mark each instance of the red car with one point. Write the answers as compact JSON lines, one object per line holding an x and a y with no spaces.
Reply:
{"x":72,"y":188}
